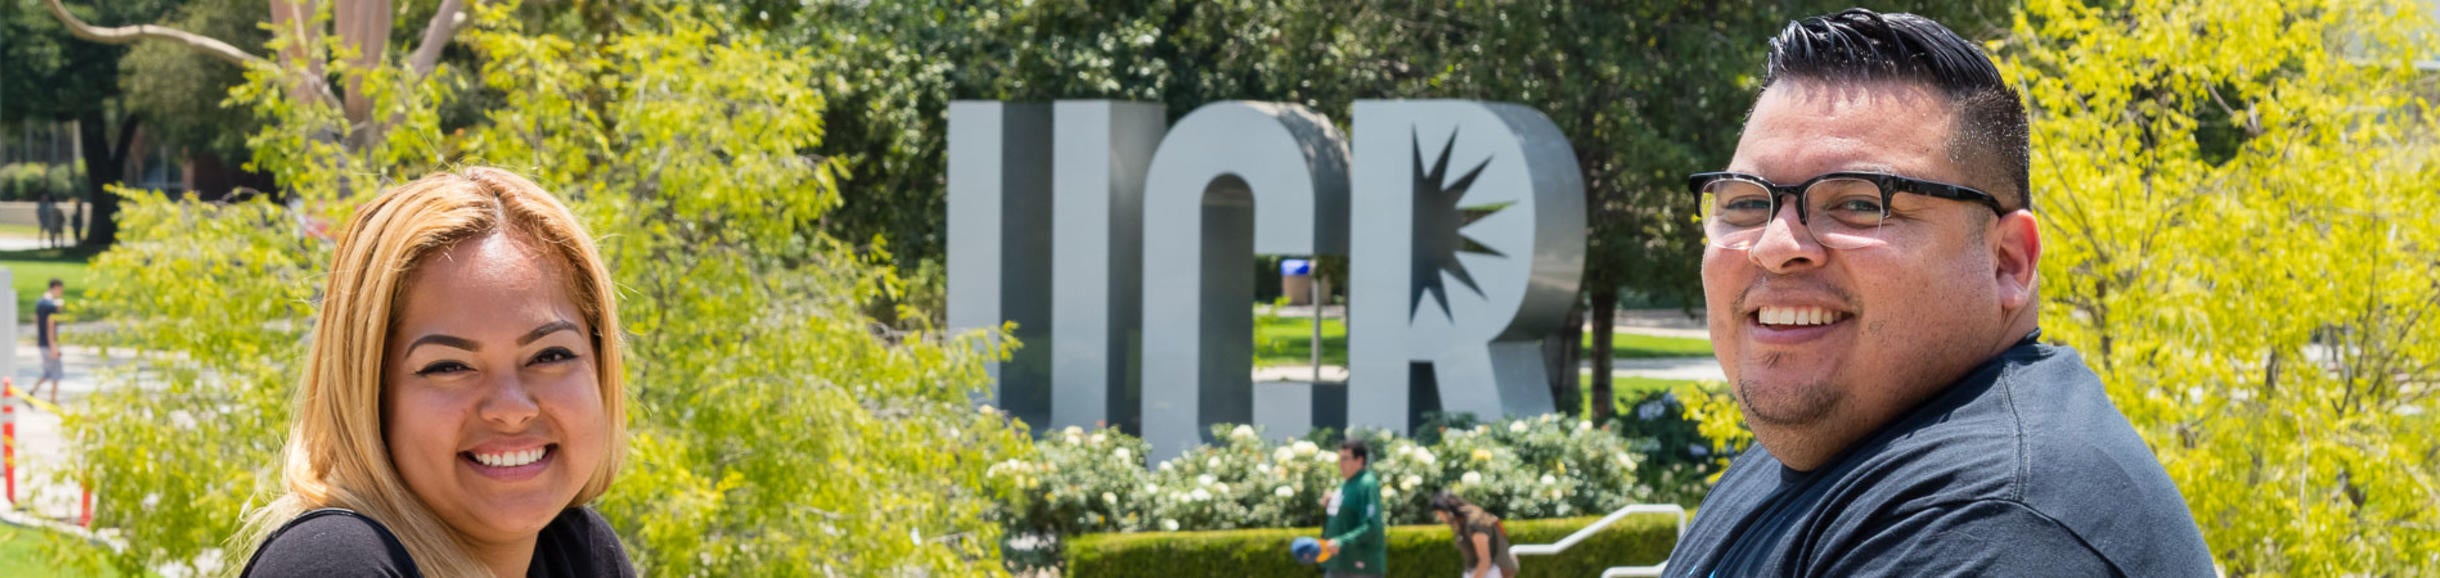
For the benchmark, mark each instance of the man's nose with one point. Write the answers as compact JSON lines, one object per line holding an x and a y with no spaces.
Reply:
{"x":1786,"y":243}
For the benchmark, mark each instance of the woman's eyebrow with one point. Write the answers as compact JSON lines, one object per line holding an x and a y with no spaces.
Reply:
{"x":546,"y":329}
{"x":444,"y":340}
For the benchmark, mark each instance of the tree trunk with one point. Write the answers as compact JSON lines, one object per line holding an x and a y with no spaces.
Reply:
{"x":1560,"y":354}
{"x":1605,"y":318}
{"x":105,"y":165}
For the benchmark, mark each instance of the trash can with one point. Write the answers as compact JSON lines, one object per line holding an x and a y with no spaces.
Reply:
{"x":1296,"y":280}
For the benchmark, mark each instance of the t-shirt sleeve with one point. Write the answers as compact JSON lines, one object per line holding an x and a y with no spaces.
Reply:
{"x":1978,"y":538}
{"x":331,"y":545}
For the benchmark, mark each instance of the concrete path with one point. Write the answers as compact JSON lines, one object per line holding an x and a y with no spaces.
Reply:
{"x":41,"y":443}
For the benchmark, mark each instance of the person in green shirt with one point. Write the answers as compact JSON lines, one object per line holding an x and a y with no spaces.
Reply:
{"x":1354,"y":541}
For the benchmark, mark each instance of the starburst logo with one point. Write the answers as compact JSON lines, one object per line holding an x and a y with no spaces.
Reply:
{"x":1440,"y":222}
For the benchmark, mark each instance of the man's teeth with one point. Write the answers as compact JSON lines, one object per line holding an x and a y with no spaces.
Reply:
{"x":1796,"y":316}
{"x":510,"y":459}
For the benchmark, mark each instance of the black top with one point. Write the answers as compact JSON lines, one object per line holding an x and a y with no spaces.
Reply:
{"x":43,"y":310}
{"x":2022,"y":468}
{"x":336,"y":542}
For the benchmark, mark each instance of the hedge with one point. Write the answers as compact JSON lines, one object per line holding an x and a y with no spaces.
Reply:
{"x":1421,"y":551}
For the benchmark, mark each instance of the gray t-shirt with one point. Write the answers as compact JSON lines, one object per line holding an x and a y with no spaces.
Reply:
{"x":2023,"y":468}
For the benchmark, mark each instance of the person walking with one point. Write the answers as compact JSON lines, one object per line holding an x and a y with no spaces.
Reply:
{"x":1481,"y":539}
{"x":46,"y":338}
{"x":1354,"y":536}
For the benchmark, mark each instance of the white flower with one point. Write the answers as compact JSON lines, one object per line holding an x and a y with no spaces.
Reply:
{"x":1284,"y":453}
{"x":1205,"y":480}
{"x":1326,"y":457}
{"x":1211,"y":462}
{"x":1284,"y":492}
{"x":1471,"y":478}
{"x":1387,"y":493}
{"x":1073,"y":431}
{"x":1426,"y":457}
{"x":988,"y":410}
{"x":1164,"y":466}
{"x":1482,"y":428}
{"x":1200,"y":494}
{"x":1584,"y":425}
{"x":1410,"y":481}
{"x":1547,"y":480}
{"x":1220,"y":488}
{"x":1152,"y":489}
{"x":1242,"y":432}
{"x":1516,"y":427}
{"x":1305,"y":448}
{"x":1097,"y":438}
{"x":1168,"y":524}
{"x":1123,"y":455}
{"x":1549,"y":416}
{"x":1109,"y":498}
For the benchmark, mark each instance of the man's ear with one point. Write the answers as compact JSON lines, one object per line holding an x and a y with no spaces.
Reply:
{"x":2016,"y":251}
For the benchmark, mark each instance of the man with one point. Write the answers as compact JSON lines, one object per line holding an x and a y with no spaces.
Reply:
{"x":1870,"y":280}
{"x":46,"y":337}
{"x":1354,"y":537}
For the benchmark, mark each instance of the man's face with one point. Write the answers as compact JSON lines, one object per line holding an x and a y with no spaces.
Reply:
{"x":1349,"y":464}
{"x":1904,"y":317}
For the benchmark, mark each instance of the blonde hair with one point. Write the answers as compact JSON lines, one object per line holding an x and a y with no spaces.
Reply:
{"x":336,"y":455}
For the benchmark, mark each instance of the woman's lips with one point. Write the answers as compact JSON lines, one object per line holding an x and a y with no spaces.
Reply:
{"x":527,"y":466}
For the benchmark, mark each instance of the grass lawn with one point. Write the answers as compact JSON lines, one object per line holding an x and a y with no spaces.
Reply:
{"x":31,"y":271}
{"x":26,"y":231}
{"x":21,"y":554}
{"x":1282,"y":341}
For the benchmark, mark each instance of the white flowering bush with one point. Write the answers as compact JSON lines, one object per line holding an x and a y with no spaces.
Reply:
{"x":1080,"y":481}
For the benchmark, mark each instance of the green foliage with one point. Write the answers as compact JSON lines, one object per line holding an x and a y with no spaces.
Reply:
{"x":178,"y":92}
{"x":777,"y":430}
{"x":29,"y":182}
{"x":1420,"y":550}
{"x":2241,"y":238}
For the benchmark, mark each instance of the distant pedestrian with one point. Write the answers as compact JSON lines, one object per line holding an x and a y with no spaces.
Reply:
{"x":46,"y":337}
{"x":46,"y":216}
{"x":1481,"y":539}
{"x":1356,"y":522}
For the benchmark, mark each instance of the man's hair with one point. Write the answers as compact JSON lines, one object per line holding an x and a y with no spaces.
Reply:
{"x":56,"y":283}
{"x":1355,"y":447}
{"x":1990,"y":138}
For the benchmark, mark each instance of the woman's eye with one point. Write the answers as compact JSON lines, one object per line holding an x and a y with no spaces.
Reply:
{"x":441,"y":367}
{"x":553,"y":355}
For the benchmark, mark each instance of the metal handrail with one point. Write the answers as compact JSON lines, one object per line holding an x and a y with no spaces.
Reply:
{"x":1605,"y":521}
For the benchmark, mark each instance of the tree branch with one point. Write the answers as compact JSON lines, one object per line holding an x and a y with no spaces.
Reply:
{"x":128,"y":34}
{"x":444,"y":25}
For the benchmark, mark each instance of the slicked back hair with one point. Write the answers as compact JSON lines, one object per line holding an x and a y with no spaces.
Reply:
{"x":1990,"y":139}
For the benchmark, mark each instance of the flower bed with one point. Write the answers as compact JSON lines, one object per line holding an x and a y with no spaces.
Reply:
{"x":1081,"y":482}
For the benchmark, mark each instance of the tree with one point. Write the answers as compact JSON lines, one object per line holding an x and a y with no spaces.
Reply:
{"x":51,"y":75}
{"x":777,"y":430}
{"x":2242,"y":238}
{"x":178,"y":91}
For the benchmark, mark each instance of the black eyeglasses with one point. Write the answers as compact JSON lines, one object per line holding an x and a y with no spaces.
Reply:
{"x":1737,"y":206}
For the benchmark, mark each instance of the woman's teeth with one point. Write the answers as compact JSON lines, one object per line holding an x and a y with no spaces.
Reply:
{"x":511,"y":459}
{"x":1796,"y":316}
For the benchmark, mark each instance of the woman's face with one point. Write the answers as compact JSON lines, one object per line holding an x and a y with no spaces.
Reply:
{"x":491,"y":407}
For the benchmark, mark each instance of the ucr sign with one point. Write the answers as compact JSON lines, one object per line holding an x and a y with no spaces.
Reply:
{"x":1123,"y":248}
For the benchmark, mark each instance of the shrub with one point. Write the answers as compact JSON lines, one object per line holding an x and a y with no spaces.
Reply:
{"x":1426,"y":550}
{"x":1081,"y":481}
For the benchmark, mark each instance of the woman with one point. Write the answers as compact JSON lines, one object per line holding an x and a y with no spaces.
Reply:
{"x":462,"y":401}
{"x":1480,"y":538}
